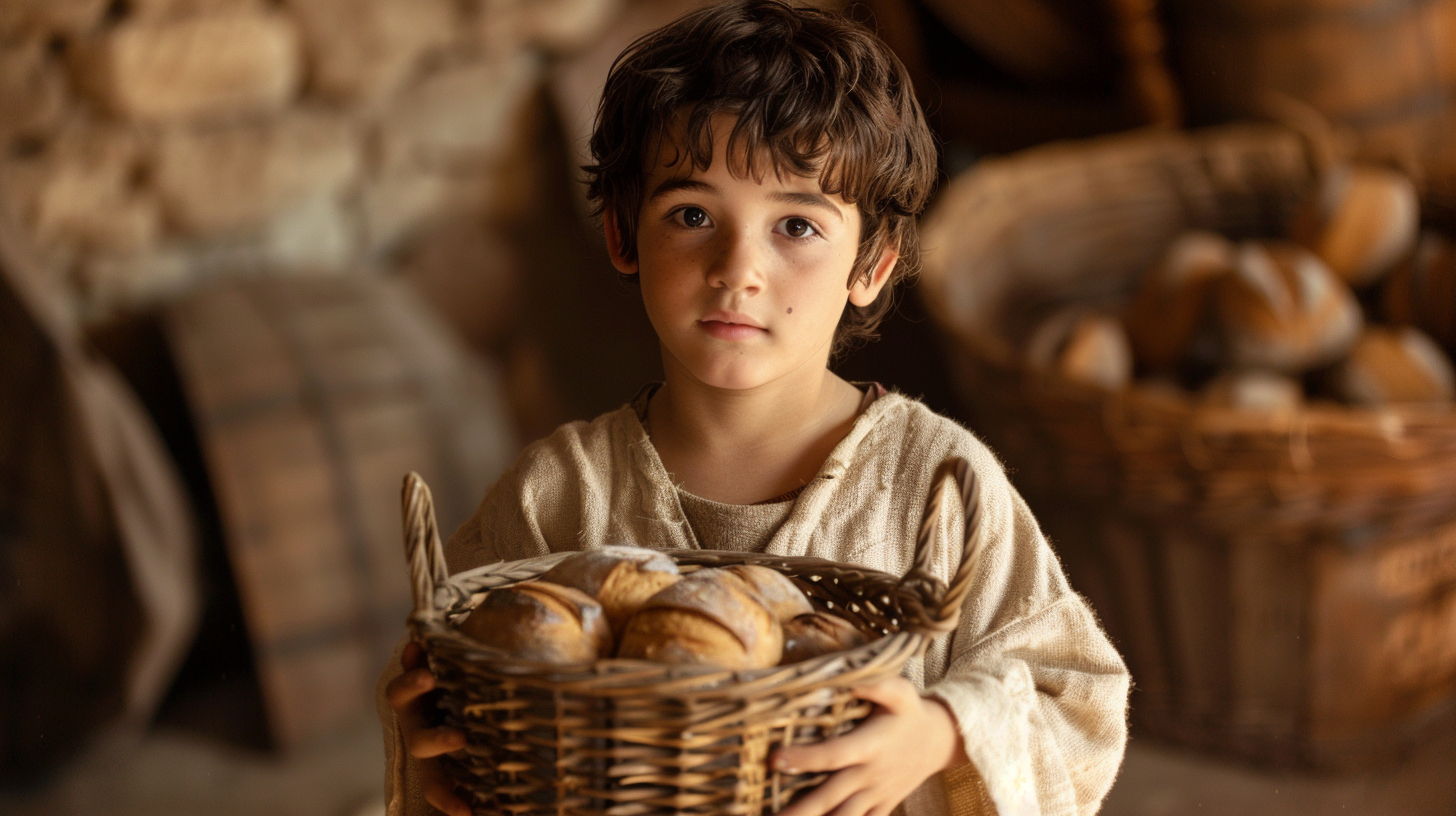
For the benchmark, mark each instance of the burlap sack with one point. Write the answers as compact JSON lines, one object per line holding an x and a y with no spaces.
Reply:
{"x":97,"y":543}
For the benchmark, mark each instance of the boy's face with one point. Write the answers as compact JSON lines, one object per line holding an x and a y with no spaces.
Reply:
{"x":744,"y":280}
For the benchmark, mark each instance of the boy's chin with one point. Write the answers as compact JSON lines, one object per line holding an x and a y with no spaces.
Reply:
{"x":737,"y":375}
{"x":734,"y":380}
{"x":733,"y":370}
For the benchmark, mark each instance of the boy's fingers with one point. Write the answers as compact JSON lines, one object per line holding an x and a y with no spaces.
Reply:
{"x":441,"y":796}
{"x":403,"y":690}
{"x":826,"y":797}
{"x":858,"y":804}
{"x":895,"y":694}
{"x":413,"y":656}
{"x":830,"y":755}
{"x":426,"y":743}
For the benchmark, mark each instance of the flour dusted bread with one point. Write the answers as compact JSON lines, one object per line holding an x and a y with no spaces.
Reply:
{"x":1083,"y":346}
{"x":541,"y":621}
{"x":1361,"y":221}
{"x":620,"y":578}
{"x":1263,"y":391}
{"x":1283,"y":310}
{"x":1421,"y":292}
{"x":818,"y":633}
{"x":711,"y":617}
{"x":1394,"y":365}
{"x":775,"y":591}
{"x":1172,"y":302}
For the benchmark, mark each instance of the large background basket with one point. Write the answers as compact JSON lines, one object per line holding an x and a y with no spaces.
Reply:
{"x":1282,"y":587}
{"x":629,"y":737}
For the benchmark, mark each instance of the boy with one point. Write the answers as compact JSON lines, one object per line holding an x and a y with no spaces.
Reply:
{"x":758,"y":170}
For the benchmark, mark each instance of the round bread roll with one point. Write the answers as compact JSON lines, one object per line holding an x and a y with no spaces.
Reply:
{"x":1283,"y":310}
{"x":818,"y":633}
{"x":1394,"y":365}
{"x":1254,"y":391}
{"x":1084,"y":347}
{"x":1172,"y":303}
{"x":541,"y":621}
{"x":710,"y":618}
{"x":1421,"y":292}
{"x":775,"y":591}
{"x":1361,"y":221}
{"x":620,"y":578}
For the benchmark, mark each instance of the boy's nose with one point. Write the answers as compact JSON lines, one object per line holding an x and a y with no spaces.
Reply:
{"x":738,"y":265}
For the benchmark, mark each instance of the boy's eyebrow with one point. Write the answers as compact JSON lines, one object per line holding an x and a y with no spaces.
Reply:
{"x":672,"y":185}
{"x":803,"y":199}
{"x":809,"y":200}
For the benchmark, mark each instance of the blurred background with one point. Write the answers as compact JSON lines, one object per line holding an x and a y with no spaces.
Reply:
{"x":1188,"y":273}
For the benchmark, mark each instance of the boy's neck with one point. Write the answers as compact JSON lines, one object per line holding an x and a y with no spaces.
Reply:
{"x":740,"y":446}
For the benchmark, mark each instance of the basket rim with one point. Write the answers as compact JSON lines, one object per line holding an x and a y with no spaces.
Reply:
{"x":927,"y":605}
{"x":619,"y":677}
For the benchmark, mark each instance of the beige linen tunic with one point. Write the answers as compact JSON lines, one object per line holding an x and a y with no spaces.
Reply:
{"x":1039,"y":694}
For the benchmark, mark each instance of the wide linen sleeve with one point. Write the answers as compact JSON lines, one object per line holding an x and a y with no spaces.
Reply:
{"x":1038,"y":691}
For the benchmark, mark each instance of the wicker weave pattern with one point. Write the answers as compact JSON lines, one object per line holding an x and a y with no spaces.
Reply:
{"x":628,"y":737}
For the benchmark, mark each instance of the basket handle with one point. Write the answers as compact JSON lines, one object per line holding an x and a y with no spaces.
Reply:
{"x":422,"y":549}
{"x":943,"y":610}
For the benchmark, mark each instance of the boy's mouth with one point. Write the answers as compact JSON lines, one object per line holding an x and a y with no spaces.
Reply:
{"x":731,"y":326}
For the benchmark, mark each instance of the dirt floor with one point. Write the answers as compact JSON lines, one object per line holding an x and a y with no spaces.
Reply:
{"x":176,"y":770}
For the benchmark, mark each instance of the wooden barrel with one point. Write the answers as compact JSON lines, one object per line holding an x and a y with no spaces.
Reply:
{"x":1001,"y":76}
{"x":312,"y":398}
{"x":1383,"y":69}
{"x":1044,"y":43}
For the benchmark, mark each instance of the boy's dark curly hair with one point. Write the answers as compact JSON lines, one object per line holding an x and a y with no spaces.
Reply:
{"x":813,"y":92}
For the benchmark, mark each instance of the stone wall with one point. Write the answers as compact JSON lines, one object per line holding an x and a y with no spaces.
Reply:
{"x":147,"y":145}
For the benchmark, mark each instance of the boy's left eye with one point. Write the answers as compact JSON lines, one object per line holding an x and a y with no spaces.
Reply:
{"x":795,"y":227}
{"x":690,"y":217}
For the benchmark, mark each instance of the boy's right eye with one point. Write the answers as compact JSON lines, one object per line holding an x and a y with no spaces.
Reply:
{"x":692,"y":217}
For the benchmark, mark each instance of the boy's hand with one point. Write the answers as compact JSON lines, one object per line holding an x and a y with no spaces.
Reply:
{"x":906,"y":740}
{"x":404,"y":693}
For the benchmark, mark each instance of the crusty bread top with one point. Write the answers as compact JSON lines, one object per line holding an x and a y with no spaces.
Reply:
{"x":588,"y":570}
{"x":826,"y":624}
{"x":818,"y":633}
{"x":514,"y":617}
{"x":680,"y":636}
{"x":775,"y":591}
{"x":725,"y":599}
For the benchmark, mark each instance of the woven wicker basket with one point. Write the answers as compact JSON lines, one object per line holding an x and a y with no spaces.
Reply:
{"x":1283,"y":587}
{"x":629,"y":737}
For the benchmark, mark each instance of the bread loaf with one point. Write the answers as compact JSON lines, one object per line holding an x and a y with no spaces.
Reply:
{"x":1421,"y":292}
{"x":775,"y":591}
{"x":1254,"y":391}
{"x":541,"y":621}
{"x":1283,"y":310}
{"x":620,"y":578}
{"x":818,"y":633}
{"x":1172,"y":302}
{"x":1394,"y":365}
{"x":710,"y":617}
{"x":1083,"y":346}
{"x":1360,"y":222}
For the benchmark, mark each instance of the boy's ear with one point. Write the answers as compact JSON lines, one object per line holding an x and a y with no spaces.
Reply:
{"x":614,"y":243}
{"x":863,"y":292}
